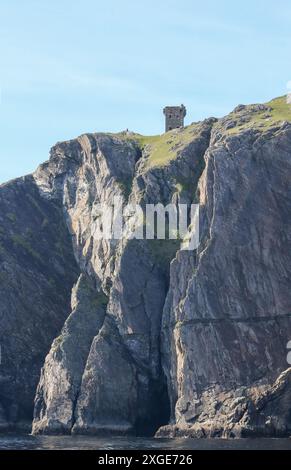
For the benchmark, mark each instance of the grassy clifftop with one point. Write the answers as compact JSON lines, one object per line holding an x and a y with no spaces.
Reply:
{"x":161,"y":149}
{"x":262,"y":117}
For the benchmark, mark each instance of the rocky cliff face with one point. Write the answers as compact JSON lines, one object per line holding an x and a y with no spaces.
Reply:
{"x":226,"y":320}
{"x":132,"y":336}
{"x":37,"y":271}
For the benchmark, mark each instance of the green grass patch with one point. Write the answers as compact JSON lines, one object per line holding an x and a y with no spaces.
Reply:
{"x":19,"y":241}
{"x":57,"y":342}
{"x":101,"y":300}
{"x":12,"y":217}
{"x":279,"y":112}
{"x":185,"y":185}
{"x":168,"y":146}
{"x":162,"y":149}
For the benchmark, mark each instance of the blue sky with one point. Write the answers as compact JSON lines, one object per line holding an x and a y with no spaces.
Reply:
{"x":71,"y":66}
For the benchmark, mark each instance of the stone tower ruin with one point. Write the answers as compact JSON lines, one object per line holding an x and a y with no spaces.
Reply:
{"x":174,"y":117}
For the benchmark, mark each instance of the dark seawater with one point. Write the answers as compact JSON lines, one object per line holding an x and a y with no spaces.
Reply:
{"x":25,"y":442}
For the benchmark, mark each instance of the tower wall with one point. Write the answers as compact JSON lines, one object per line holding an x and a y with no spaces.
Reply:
{"x":174,"y":117}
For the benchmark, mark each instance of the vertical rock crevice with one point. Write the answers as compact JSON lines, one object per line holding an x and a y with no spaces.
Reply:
{"x":61,"y":376}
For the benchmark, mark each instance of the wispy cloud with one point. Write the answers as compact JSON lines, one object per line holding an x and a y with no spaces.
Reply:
{"x":41,"y":74}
